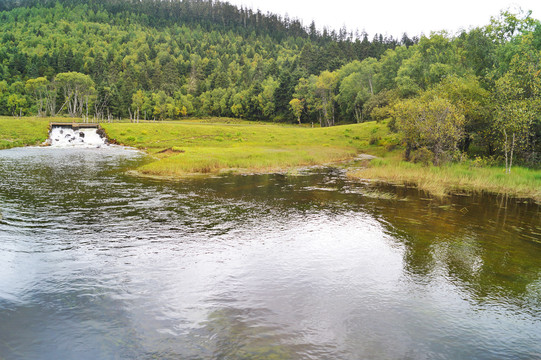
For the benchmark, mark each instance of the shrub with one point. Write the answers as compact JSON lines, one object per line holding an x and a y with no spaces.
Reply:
{"x":374,"y":140}
{"x":480,"y":161}
{"x":423,"y":156}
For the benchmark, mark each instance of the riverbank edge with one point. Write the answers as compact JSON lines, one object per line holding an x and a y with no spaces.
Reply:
{"x":433,"y":180}
{"x":299,"y":170}
{"x":453,"y":179}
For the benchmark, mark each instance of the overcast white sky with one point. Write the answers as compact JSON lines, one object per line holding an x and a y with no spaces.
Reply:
{"x":392,"y":17}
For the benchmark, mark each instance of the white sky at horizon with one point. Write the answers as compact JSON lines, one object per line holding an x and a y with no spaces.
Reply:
{"x":392,"y":17}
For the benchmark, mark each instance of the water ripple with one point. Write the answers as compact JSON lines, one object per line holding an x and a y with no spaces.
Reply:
{"x":96,"y":264}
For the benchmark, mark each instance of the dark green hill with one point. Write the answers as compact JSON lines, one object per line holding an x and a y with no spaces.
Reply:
{"x":169,"y":49}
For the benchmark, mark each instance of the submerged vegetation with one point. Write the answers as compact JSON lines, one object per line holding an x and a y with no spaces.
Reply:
{"x":454,"y":178}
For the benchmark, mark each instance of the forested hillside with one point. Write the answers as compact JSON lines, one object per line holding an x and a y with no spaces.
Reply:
{"x":167,"y":59}
{"x":477,"y":91}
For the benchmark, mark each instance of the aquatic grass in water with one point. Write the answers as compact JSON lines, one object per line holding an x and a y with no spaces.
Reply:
{"x":443,"y":180}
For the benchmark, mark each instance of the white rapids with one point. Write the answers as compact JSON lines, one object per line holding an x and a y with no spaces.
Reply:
{"x":67,"y":137}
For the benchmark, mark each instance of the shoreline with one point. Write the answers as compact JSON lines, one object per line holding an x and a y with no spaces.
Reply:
{"x":455,"y":179}
{"x":204,"y":149}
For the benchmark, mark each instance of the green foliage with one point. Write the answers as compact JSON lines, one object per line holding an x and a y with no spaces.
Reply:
{"x":326,"y":84}
{"x":445,"y":93}
{"x":210,"y":51}
{"x":423,"y":156}
{"x":430,"y":122}
{"x":296,"y":107}
{"x":513,"y":118}
{"x":77,"y":89}
{"x":508,"y":25}
{"x":356,"y":87}
{"x":37,"y":89}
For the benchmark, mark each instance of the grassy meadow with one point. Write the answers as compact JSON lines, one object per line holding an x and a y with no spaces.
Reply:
{"x":22,"y":132}
{"x":228,"y":145}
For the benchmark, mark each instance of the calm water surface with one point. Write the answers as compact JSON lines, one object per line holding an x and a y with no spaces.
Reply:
{"x":95,"y":264}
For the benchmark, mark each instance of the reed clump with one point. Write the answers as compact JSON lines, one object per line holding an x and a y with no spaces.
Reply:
{"x":454,"y":177}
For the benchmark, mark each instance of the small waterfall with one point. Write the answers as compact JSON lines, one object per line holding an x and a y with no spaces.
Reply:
{"x":68,"y":136}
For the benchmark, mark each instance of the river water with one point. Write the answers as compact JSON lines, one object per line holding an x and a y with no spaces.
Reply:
{"x":97,"y":264}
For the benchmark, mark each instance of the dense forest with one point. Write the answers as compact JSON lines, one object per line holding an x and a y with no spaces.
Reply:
{"x":476,"y":92}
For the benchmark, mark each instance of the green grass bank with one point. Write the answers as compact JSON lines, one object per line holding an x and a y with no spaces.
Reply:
{"x":213,"y":146}
{"x":218,"y":145}
{"x":22,"y":132}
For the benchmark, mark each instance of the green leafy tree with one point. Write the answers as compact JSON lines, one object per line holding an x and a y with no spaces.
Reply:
{"x":239,"y":103}
{"x":429,"y":122}
{"x":356,"y":87}
{"x":305,"y":91}
{"x":138,"y":100}
{"x":472,"y":99}
{"x":379,"y":106}
{"x":160,"y":101}
{"x":389,"y":64}
{"x":509,"y":24}
{"x":513,"y":118}
{"x":37,"y":88}
{"x":266,"y":97}
{"x":433,"y":59}
{"x":4,"y":93}
{"x":517,"y":104}
{"x":77,"y":89}
{"x":17,"y":104}
{"x":325,"y":87}
{"x":297,"y":106}
{"x":184,"y":102}
{"x":352,"y":96}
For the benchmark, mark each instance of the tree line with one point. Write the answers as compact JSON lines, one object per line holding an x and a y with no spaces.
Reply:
{"x":126,"y":47}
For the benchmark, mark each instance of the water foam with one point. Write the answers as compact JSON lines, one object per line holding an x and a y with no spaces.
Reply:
{"x":61,"y":136}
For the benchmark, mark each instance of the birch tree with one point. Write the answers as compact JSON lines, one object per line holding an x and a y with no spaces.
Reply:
{"x":37,"y":88}
{"x":513,"y":118}
{"x":325,"y":88}
{"x":77,"y":89}
{"x":296,"y":107}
